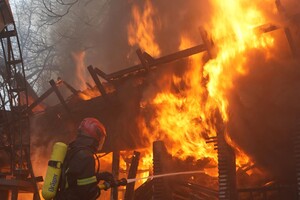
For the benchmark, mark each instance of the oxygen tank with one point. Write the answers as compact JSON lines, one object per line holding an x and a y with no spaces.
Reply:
{"x":54,"y":170}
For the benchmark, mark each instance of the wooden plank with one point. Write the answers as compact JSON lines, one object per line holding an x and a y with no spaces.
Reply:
{"x":96,"y":80}
{"x":129,"y":193}
{"x":115,"y":172}
{"x":156,"y":62}
{"x":60,"y":97}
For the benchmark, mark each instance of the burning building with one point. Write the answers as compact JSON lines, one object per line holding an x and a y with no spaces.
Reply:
{"x":226,"y":105}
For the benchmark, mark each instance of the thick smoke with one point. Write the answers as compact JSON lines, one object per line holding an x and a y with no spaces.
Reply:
{"x":45,"y":131}
{"x":264,"y":107}
{"x":100,"y":29}
{"x":265,"y":112}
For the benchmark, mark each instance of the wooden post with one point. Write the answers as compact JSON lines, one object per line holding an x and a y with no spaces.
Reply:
{"x":4,"y":194}
{"x":115,"y":172}
{"x":96,"y":80}
{"x":290,"y":40}
{"x":129,"y":193}
{"x":14,"y":194}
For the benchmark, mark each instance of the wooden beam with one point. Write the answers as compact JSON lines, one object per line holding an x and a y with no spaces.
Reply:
{"x":115,"y":172}
{"x":96,"y":80}
{"x":72,"y":89}
{"x":159,"y":61}
{"x":39,"y":100}
{"x":291,"y":42}
{"x":208,"y":43}
{"x":129,"y":193}
{"x":144,"y":62}
{"x":60,"y":97}
{"x":101,"y":74}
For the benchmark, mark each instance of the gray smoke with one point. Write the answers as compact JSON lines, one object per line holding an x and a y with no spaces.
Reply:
{"x":100,"y":29}
{"x":264,"y":112}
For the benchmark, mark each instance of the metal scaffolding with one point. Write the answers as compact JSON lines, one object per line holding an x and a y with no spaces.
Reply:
{"x":17,"y":175}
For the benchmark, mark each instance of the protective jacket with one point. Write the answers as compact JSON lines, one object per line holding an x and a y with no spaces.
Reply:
{"x":79,"y":177}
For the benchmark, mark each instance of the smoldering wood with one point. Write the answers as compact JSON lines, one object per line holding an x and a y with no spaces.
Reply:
{"x":142,"y":58}
{"x":207,"y":42}
{"x":161,"y":189}
{"x":183,"y":190}
{"x":101,"y":74}
{"x":283,"y":191}
{"x":196,"y":187}
{"x":58,"y":94}
{"x":265,"y":28}
{"x":72,"y":89}
{"x":115,"y":173}
{"x":96,"y":80}
{"x":145,"y":191}
{"x":129,"y":193}
{"x":291,"y":43}
{"x":177,"y":187}
{"x":39,"y":99}
{"x":137,"y":69}
{"x":226,"y":162}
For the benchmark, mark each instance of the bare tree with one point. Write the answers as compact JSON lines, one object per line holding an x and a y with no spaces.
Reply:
{"x":50,"y":31}
{"x":37,"y":48}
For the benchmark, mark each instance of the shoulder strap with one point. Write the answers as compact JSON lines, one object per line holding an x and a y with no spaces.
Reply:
{"x":98,"y":161}
{"x":70,"y":154}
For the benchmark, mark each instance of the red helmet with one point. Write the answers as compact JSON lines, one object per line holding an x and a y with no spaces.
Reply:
{"x":93,"y":128}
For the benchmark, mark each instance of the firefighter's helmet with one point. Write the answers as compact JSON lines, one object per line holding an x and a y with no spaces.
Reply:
{"x":91,"y":127}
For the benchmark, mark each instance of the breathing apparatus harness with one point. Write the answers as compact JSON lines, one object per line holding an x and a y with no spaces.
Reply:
{"x":64,"y":184}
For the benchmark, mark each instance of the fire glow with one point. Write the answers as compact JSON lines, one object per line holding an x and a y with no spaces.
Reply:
{"x":83,"y":77}
{"x":185,"y":119}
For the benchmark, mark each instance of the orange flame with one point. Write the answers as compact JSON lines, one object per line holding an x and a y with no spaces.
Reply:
{"x":185,"y":118}
{"x":233,"y":30}
{"x":80,"y":69}
{"x":141,"y":29}
{"x":83,"y":77}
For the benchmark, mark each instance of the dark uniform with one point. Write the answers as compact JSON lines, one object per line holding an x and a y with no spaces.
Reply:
{"x":79,"y":179}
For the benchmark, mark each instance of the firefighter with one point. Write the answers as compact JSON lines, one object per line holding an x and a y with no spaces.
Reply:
{"x":79,"y":179}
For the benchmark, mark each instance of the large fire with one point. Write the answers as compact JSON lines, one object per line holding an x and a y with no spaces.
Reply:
{"x":183,"y":110}
{"x":185,"y":119}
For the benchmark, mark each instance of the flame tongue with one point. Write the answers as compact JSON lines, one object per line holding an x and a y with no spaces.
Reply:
{"x":233,"y":29}
{"x":185,"y":118}
{"x":141,"y":30}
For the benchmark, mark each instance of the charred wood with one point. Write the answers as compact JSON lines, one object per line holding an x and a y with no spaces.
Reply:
{"x":129,"y":194}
